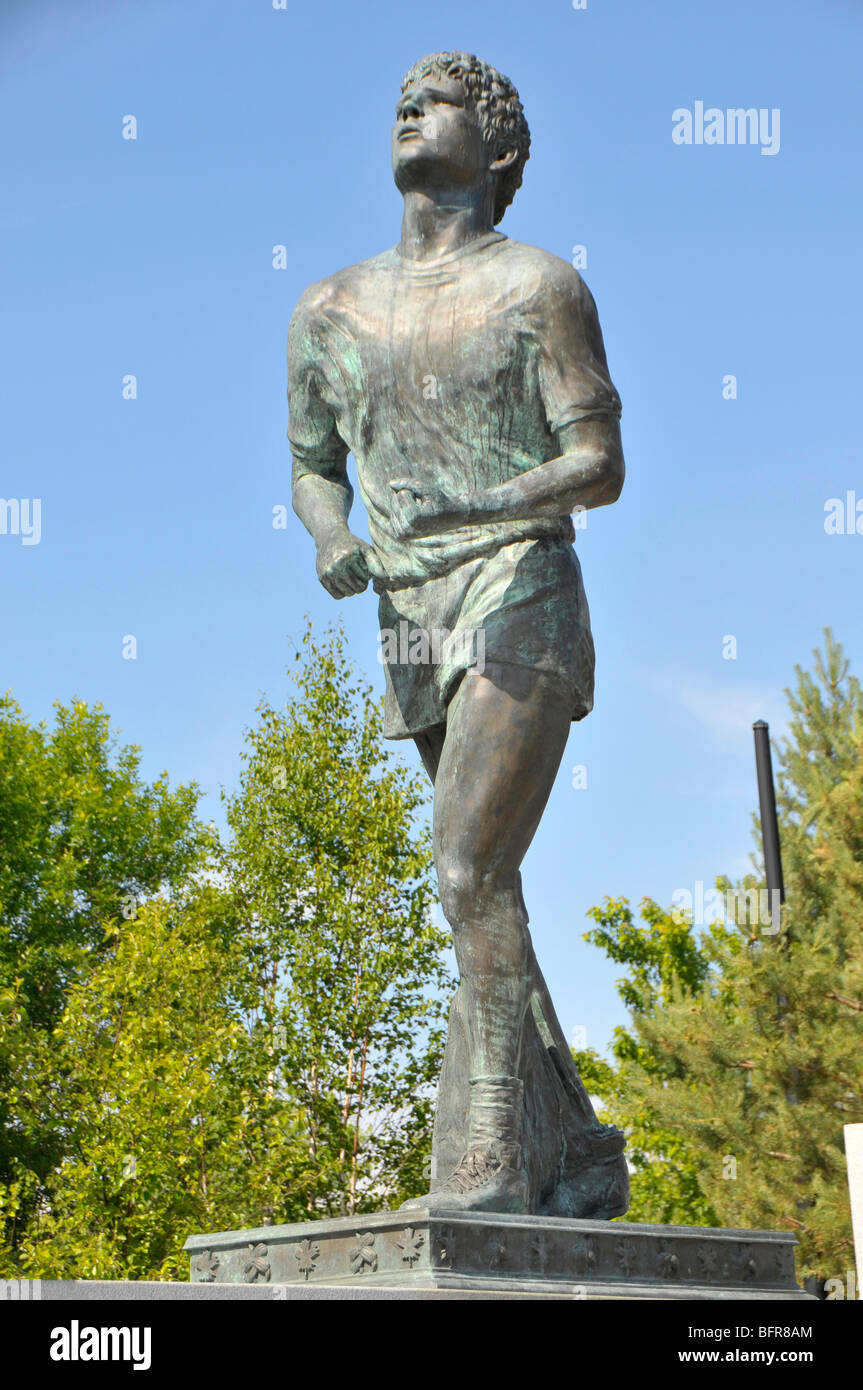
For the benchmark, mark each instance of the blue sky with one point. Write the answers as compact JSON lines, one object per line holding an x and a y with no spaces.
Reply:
{"x":260,"y":127}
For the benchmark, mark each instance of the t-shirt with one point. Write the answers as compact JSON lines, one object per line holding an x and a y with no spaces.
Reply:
{"x":458,"y":371}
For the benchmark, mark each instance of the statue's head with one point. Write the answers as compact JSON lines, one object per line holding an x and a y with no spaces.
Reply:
{"x":459,"y":122}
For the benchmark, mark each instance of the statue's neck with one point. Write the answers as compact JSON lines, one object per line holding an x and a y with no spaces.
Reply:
{"x":438,"y":222}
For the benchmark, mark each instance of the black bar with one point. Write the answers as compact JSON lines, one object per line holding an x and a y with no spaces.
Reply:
{"x":767,"y":803}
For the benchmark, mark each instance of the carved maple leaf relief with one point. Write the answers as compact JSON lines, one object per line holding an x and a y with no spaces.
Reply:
{"x":206,"y":1265}
{"x":306,"y":1253}
{"x":410,"y":1245}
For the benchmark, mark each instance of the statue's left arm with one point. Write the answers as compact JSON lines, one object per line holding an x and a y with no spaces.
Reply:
{"x":582,"y":409}
{"x":588,"y":473}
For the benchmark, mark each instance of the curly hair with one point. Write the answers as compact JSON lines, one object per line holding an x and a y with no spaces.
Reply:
{"x":498,"y":108}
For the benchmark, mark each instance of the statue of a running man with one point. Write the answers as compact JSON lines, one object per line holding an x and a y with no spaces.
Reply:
{"x":466,"y":373}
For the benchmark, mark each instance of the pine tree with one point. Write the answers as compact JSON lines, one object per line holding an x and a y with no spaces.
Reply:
{"x":737,"y":1076}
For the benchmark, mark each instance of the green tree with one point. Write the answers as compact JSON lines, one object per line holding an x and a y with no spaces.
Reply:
{"x":665,"y":963}
{"x":742,"y":1060}
{"x":82,"y":838}
{"x":183,"y":1049}
{"x":332,"y":871}
{"x":159,"y":1092}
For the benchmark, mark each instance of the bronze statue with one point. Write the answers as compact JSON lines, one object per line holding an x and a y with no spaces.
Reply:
{"x":467,"y":375}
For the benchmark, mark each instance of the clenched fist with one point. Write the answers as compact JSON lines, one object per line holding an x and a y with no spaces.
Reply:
{"x":345,"y":564}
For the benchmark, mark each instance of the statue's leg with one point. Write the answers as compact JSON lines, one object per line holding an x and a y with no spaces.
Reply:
{"x":575,"y":1164}
{"x":505,"y":735}
{"x":430,"y":745}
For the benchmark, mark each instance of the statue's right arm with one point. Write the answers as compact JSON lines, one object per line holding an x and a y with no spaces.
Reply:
{"x":322,"y":493}
{"x":323,"y":505}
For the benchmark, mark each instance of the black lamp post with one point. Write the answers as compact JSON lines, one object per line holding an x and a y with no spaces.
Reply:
{"x":767,"y":806}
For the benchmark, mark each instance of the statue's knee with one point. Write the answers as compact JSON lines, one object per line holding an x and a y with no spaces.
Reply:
{"x":469,"y":894}
{"x":460,"y":891}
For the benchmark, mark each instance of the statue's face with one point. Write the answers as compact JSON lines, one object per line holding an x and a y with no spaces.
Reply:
{"x":437,"y":141}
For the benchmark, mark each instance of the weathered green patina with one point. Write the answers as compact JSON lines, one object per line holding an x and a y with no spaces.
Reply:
{"x":467,"y":375}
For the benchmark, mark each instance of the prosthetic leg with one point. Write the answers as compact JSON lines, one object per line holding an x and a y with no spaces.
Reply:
{"x":530,"y":1143}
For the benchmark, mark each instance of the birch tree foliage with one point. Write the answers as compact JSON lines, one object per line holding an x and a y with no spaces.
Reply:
{"x":154,"y":1088}
{"x":84,"y":837}
{"x":330,"y":861}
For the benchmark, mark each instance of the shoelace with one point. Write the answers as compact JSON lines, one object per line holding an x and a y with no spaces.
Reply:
{"x":473,"y":1170}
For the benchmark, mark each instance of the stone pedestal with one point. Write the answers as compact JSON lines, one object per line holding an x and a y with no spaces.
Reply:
{"x":550,"y":1257}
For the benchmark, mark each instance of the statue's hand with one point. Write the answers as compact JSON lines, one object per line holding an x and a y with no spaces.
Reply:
{"x":345,"y":564}
{"x":424,"y":509}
